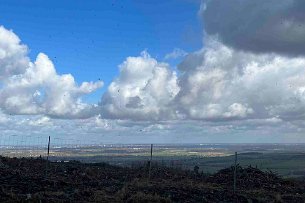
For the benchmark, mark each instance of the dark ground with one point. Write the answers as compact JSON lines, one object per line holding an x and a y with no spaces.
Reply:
{"x":26,"y":180}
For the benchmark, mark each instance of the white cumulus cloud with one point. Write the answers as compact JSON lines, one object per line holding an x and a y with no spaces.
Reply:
{"x":35,"y":87}
{"x":13,"y":54}
{"x":144,"y":90}
{"x":227,"y":83}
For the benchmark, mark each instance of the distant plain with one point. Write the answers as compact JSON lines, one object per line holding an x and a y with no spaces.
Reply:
{"x":285,"y":159}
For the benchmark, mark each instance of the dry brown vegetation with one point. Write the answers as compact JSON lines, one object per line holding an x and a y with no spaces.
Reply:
{"x":26,"y":180}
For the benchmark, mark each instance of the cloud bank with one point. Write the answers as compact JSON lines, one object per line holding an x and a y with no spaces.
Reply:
{"x":216,"y":83}
{"x":219,"y":82}
{"x":250,"y":67}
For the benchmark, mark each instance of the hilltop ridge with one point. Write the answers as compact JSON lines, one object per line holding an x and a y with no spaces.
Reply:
{"x":35,"y":180}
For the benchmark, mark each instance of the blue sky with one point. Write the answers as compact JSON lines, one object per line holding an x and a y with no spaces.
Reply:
{"x":90,"y":40}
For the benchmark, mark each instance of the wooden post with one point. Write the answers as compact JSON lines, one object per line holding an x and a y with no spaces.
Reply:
{"x":1,"y":164}
{"x":151,"y":152}
{"x":235,"y":170}
{"x":47,"y":163}
{"x":48,"y":149}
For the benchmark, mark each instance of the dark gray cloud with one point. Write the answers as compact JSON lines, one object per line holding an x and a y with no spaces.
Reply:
{"x":259,"y":26}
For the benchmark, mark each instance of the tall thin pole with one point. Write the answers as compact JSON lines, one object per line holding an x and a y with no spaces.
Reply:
{"x":151,"y":153}
{"x":235,"y":166}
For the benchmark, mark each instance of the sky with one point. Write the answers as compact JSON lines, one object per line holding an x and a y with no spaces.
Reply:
{"x":92,"y":38}
{"x":177,"y":71}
